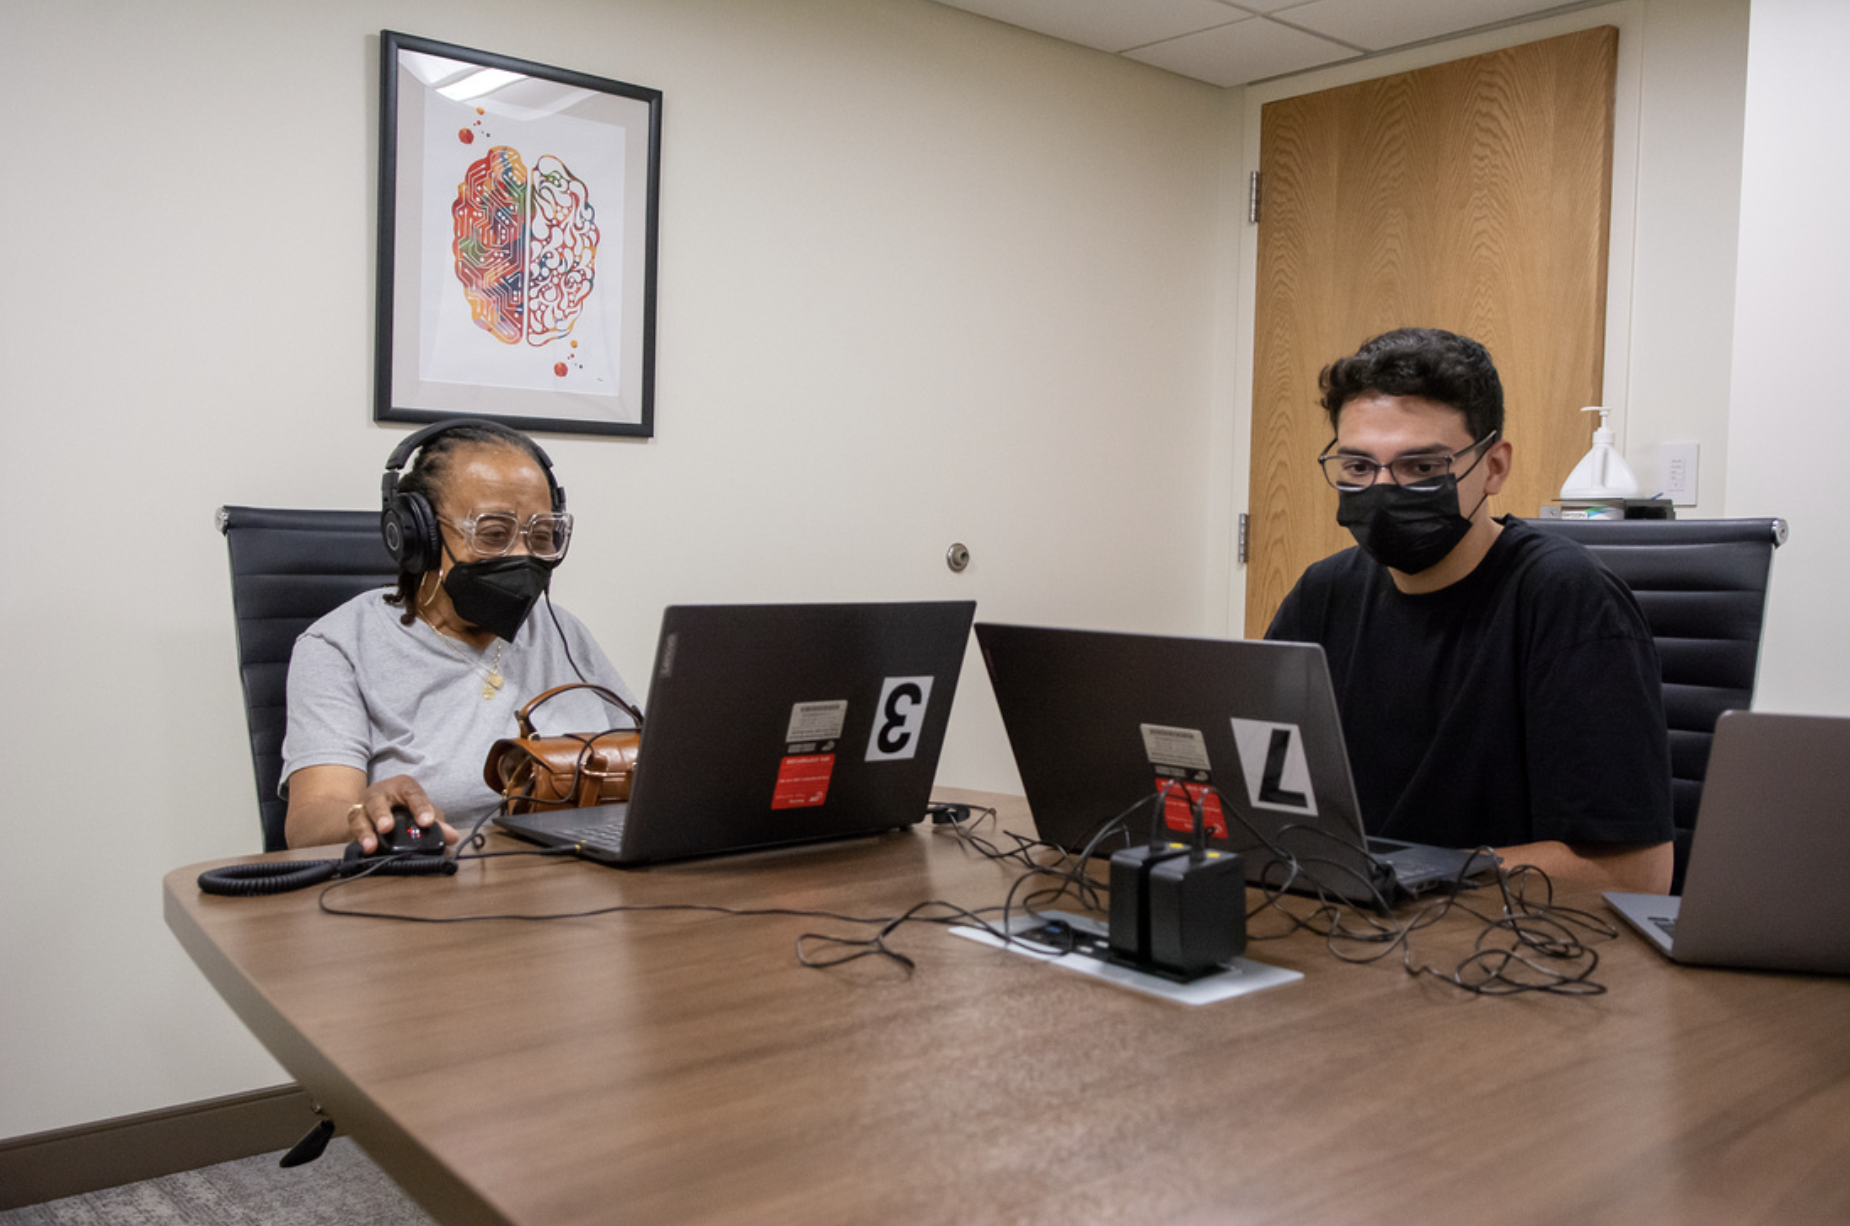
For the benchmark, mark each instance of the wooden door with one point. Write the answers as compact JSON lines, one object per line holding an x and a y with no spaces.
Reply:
{"x":1470,"y":196}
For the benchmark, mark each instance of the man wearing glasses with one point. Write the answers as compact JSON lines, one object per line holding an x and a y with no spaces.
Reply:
{"x":1497,"y":686}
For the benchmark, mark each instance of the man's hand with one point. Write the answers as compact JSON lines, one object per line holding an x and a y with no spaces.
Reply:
{"x":1640,"y":868}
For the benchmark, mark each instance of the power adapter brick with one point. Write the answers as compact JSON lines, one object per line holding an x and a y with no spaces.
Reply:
{"x":1177,"y":909}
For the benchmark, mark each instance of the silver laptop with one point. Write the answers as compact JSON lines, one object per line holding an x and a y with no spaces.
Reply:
{"x":1099,"y":720}
{"x":1764,"y":888}
{"x":773,"y":724}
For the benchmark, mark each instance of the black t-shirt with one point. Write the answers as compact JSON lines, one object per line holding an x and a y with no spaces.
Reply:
{"x":1522,"y":703}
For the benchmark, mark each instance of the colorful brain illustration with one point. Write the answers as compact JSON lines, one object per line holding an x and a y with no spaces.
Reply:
{"x":525,"y":246}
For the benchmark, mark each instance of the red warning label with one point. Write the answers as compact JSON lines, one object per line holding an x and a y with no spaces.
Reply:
{"x":1177,"y":814}
{"x":803,"y":781}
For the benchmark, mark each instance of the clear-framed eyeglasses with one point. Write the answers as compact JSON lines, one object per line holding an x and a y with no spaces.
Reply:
{"x":1423,"y":470}
{"x":492,"y":534}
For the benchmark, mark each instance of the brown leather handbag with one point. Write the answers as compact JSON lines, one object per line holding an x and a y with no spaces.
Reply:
{"x":567,"y":770}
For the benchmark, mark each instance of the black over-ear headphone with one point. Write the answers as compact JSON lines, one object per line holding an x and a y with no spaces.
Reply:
{"x":408,"y":522}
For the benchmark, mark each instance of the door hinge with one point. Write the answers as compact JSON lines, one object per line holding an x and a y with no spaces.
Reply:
{"x":1243,"y":523}
{"x":1252,"y":199}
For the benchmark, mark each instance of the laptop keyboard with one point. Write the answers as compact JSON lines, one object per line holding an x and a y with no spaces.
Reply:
{"x":605,"y":834}
{"x":1666,"y":922}
{"x":1415,"y":862}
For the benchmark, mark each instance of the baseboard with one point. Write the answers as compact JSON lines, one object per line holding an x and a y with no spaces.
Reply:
{"x":90,"y":1157}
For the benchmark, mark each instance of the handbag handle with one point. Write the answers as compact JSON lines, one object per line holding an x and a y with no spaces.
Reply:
{"x":526,"y":712}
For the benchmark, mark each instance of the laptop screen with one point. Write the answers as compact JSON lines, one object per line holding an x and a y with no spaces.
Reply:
{"x":1100,"y":720}
{"x":772,"y":724}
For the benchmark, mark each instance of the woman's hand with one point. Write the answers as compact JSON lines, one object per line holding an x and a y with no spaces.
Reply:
{"x":371,"y":815}
{"x":335,"y":804}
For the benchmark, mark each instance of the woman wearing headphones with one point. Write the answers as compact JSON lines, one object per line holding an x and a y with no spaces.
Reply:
{"x":396,"y":696}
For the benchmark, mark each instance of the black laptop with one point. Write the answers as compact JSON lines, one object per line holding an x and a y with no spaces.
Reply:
{"x":774,"y":724}
{"x":1099,"y":720}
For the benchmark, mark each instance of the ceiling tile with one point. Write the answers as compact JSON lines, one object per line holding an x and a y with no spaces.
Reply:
{"x":1106,"y":25}
{"x":1233,"y":42}
{"x":1249,"y":50}
{"x":1378,"y":25}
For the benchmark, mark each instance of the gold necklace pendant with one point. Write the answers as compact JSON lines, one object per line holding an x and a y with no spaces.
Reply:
{"x":492,"y":680}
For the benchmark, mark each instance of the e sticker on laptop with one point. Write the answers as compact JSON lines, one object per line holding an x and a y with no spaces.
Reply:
{"x":1179,"y":808}
{"x":815,"y":722}
{"x":803,"y":781}
{"x":1180,"y":755}
{"x":809,"y":754}
{"x":1185,"y":748}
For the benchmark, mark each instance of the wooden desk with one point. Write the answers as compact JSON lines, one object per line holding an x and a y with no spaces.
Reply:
{"x":684,"y":1068}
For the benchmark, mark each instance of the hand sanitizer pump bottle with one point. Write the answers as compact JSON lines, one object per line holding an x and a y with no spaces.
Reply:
{"x":1602,"y":473}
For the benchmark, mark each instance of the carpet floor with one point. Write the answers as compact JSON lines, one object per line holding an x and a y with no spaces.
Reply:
{"x":342,"y":1186}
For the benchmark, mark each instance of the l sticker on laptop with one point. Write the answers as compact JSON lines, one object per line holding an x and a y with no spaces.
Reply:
{"x":1272,"y":759}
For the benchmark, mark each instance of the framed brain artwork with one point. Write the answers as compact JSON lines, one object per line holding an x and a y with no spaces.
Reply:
{"x":517,"y":236}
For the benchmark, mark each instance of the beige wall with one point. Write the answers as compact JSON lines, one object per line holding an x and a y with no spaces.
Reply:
{"x":1680,"y":248}
{"x":1789,"y":423}
{"x":924,"y":278}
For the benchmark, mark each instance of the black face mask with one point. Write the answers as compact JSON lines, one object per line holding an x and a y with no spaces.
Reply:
{"x":1407,"y":529}
{"x":496,"y":595}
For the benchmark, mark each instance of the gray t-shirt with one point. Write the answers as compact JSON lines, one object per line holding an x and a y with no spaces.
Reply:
{"x":367,"y":691}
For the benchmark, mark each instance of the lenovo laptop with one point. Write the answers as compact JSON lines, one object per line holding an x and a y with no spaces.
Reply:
{"x":1099,"y":720}
{"x":1772,"y":834}
{"x":773,"y":724}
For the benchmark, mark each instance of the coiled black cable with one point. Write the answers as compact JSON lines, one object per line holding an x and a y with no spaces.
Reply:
{"x":282,"y":876}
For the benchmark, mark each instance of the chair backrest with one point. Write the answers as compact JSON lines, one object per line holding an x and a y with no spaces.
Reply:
{"x":1702,"y":584}
{"x":288,"y":568}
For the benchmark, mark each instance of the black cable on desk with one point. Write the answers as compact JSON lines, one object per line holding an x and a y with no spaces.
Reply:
{"x":1547,"y":951}
{"x":282,"y":876}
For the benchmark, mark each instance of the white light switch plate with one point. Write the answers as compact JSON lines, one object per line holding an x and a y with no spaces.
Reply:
{"x":1676,"y":468}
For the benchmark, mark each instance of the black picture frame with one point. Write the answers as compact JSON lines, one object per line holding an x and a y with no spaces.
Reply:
{"x":507,"y":192}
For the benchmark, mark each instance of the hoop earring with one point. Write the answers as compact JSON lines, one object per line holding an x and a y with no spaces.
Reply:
{"x":423,"y":600}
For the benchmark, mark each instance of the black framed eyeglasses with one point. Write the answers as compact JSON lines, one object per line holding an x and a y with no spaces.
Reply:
{"x":1419,"y":471}
{"x":492,"y":534}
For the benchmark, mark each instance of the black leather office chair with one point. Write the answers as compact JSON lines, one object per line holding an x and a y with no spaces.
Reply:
{"x":288,"y":568}
{"x":1703,"y":586}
